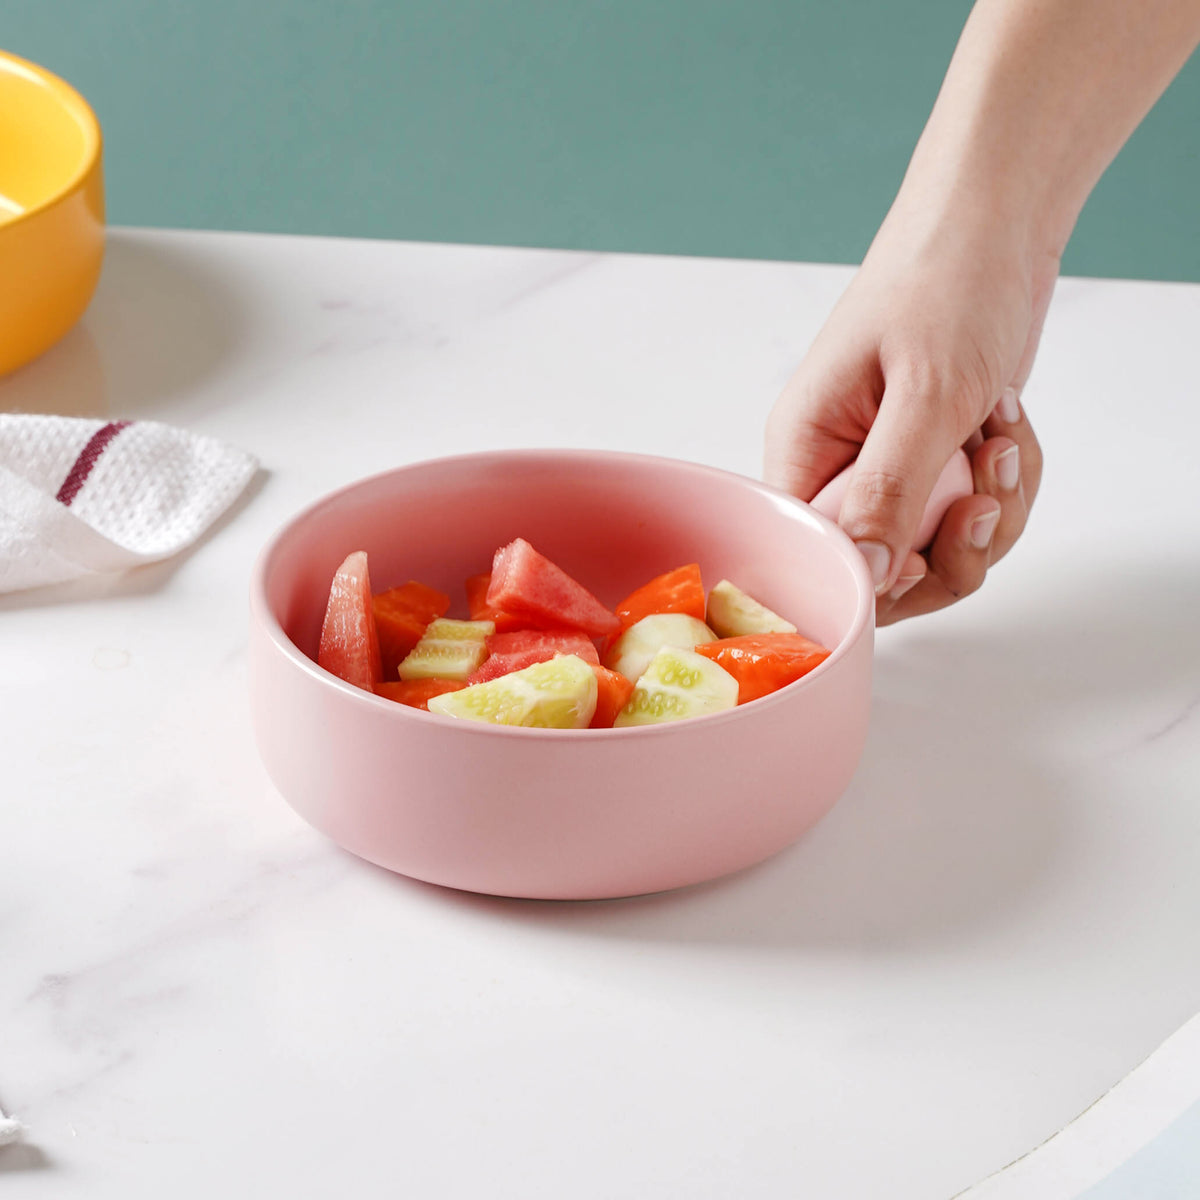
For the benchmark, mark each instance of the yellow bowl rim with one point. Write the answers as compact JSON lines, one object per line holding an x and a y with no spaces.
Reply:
{"x":82,"y":111}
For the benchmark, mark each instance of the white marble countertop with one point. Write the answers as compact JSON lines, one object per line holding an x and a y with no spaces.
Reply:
{"x":202,"y":996}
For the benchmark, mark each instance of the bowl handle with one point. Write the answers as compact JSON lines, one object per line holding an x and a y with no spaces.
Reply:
{"x":955,"y":481}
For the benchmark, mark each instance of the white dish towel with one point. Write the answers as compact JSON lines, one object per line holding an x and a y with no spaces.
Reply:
{"x":81,"y":497}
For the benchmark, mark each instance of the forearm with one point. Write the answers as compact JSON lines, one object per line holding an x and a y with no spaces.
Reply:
{"x":1039,"y":97}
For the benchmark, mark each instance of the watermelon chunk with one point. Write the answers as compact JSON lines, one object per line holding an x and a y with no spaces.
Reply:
{"x":349,"y":645}
{"x":480,"y":610}
{"x":565,"y":641}
{"x":529,"y":585}
{"x":516,"y":651}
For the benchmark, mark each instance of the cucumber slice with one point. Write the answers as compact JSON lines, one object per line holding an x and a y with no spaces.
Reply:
{"x":632,"y":651}
{"x":677,"y":684}
{"x":734,"y":614}
{"x":448,"y":650}
{"x":558,"y":694}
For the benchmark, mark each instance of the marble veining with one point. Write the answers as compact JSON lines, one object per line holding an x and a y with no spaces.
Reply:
{"x":1186,"y":714}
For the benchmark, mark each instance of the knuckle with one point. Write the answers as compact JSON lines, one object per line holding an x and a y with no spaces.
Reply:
{"x":957,"y":382}
{"x":919,"y":383}
{"x":881,"y":487}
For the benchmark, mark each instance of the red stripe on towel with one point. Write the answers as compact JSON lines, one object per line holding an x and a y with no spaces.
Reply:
{"x":88,"y":457}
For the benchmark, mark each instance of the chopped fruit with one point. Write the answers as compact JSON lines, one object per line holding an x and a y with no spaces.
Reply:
{"x":349,"y":645}
{"x":565,"y":641}
{"x":731,"y":613}
{"x":515,"y":651}
{"x":481,"y":610}
{"x":401,"y":614}
{"x":417,"y":693}
{"x":632,"y":651}
{"x":763,"y":663}
{"x":558,"y":694}
{"x":613,"y":692}
{"x":678,"y":591}
{"x":448,"y":650}
{"x":527,"y":584}
{"x":520,"y":659}
{"x":677,"y":684}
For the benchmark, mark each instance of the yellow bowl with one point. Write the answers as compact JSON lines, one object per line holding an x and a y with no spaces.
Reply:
{"x":51,"y":209}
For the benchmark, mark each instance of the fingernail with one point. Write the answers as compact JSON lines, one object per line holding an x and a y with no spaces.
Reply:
{"x":904,"y":584}
{"x":982,"y":529}
{"x":879,"y":562}
{"x":1008,"y":469}
{"x":1007,"y":408}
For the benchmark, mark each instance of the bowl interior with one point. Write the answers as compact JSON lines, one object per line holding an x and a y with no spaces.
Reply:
{"x":613,"y":521}
{"x":48,"y":137}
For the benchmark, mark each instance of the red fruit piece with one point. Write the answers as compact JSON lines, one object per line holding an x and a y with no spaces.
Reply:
{"x":515,"y":651}
{"x":677,"y":591}
{"x":528,"y":584}
{"x":480,"y":610}
{"x":349,"y":645}
{"x":567,"y":641}
{"x":764,"y":662}
{"x":401,"y":614}
{"x":417,"y":693}
{"x":612,"y":694}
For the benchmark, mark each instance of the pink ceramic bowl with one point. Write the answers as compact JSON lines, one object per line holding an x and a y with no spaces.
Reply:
{"x":550,"y":813}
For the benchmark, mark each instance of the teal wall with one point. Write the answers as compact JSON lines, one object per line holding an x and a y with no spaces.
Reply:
{"x":754,"y":128}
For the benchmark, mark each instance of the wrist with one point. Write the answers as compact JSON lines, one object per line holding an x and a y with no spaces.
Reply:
{"x":1039,"y":97}
{"x":967,"y":175}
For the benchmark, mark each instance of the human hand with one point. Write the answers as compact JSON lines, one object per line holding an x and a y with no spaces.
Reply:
{"x":927,"y":350}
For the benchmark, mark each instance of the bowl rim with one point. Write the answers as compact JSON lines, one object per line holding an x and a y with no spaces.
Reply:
{"x":73,"y":101}
{"x":861,"y":624}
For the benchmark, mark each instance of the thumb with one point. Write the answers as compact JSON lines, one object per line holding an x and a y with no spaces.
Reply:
{"x":815,"y":429}
{"x":909,"y":443}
